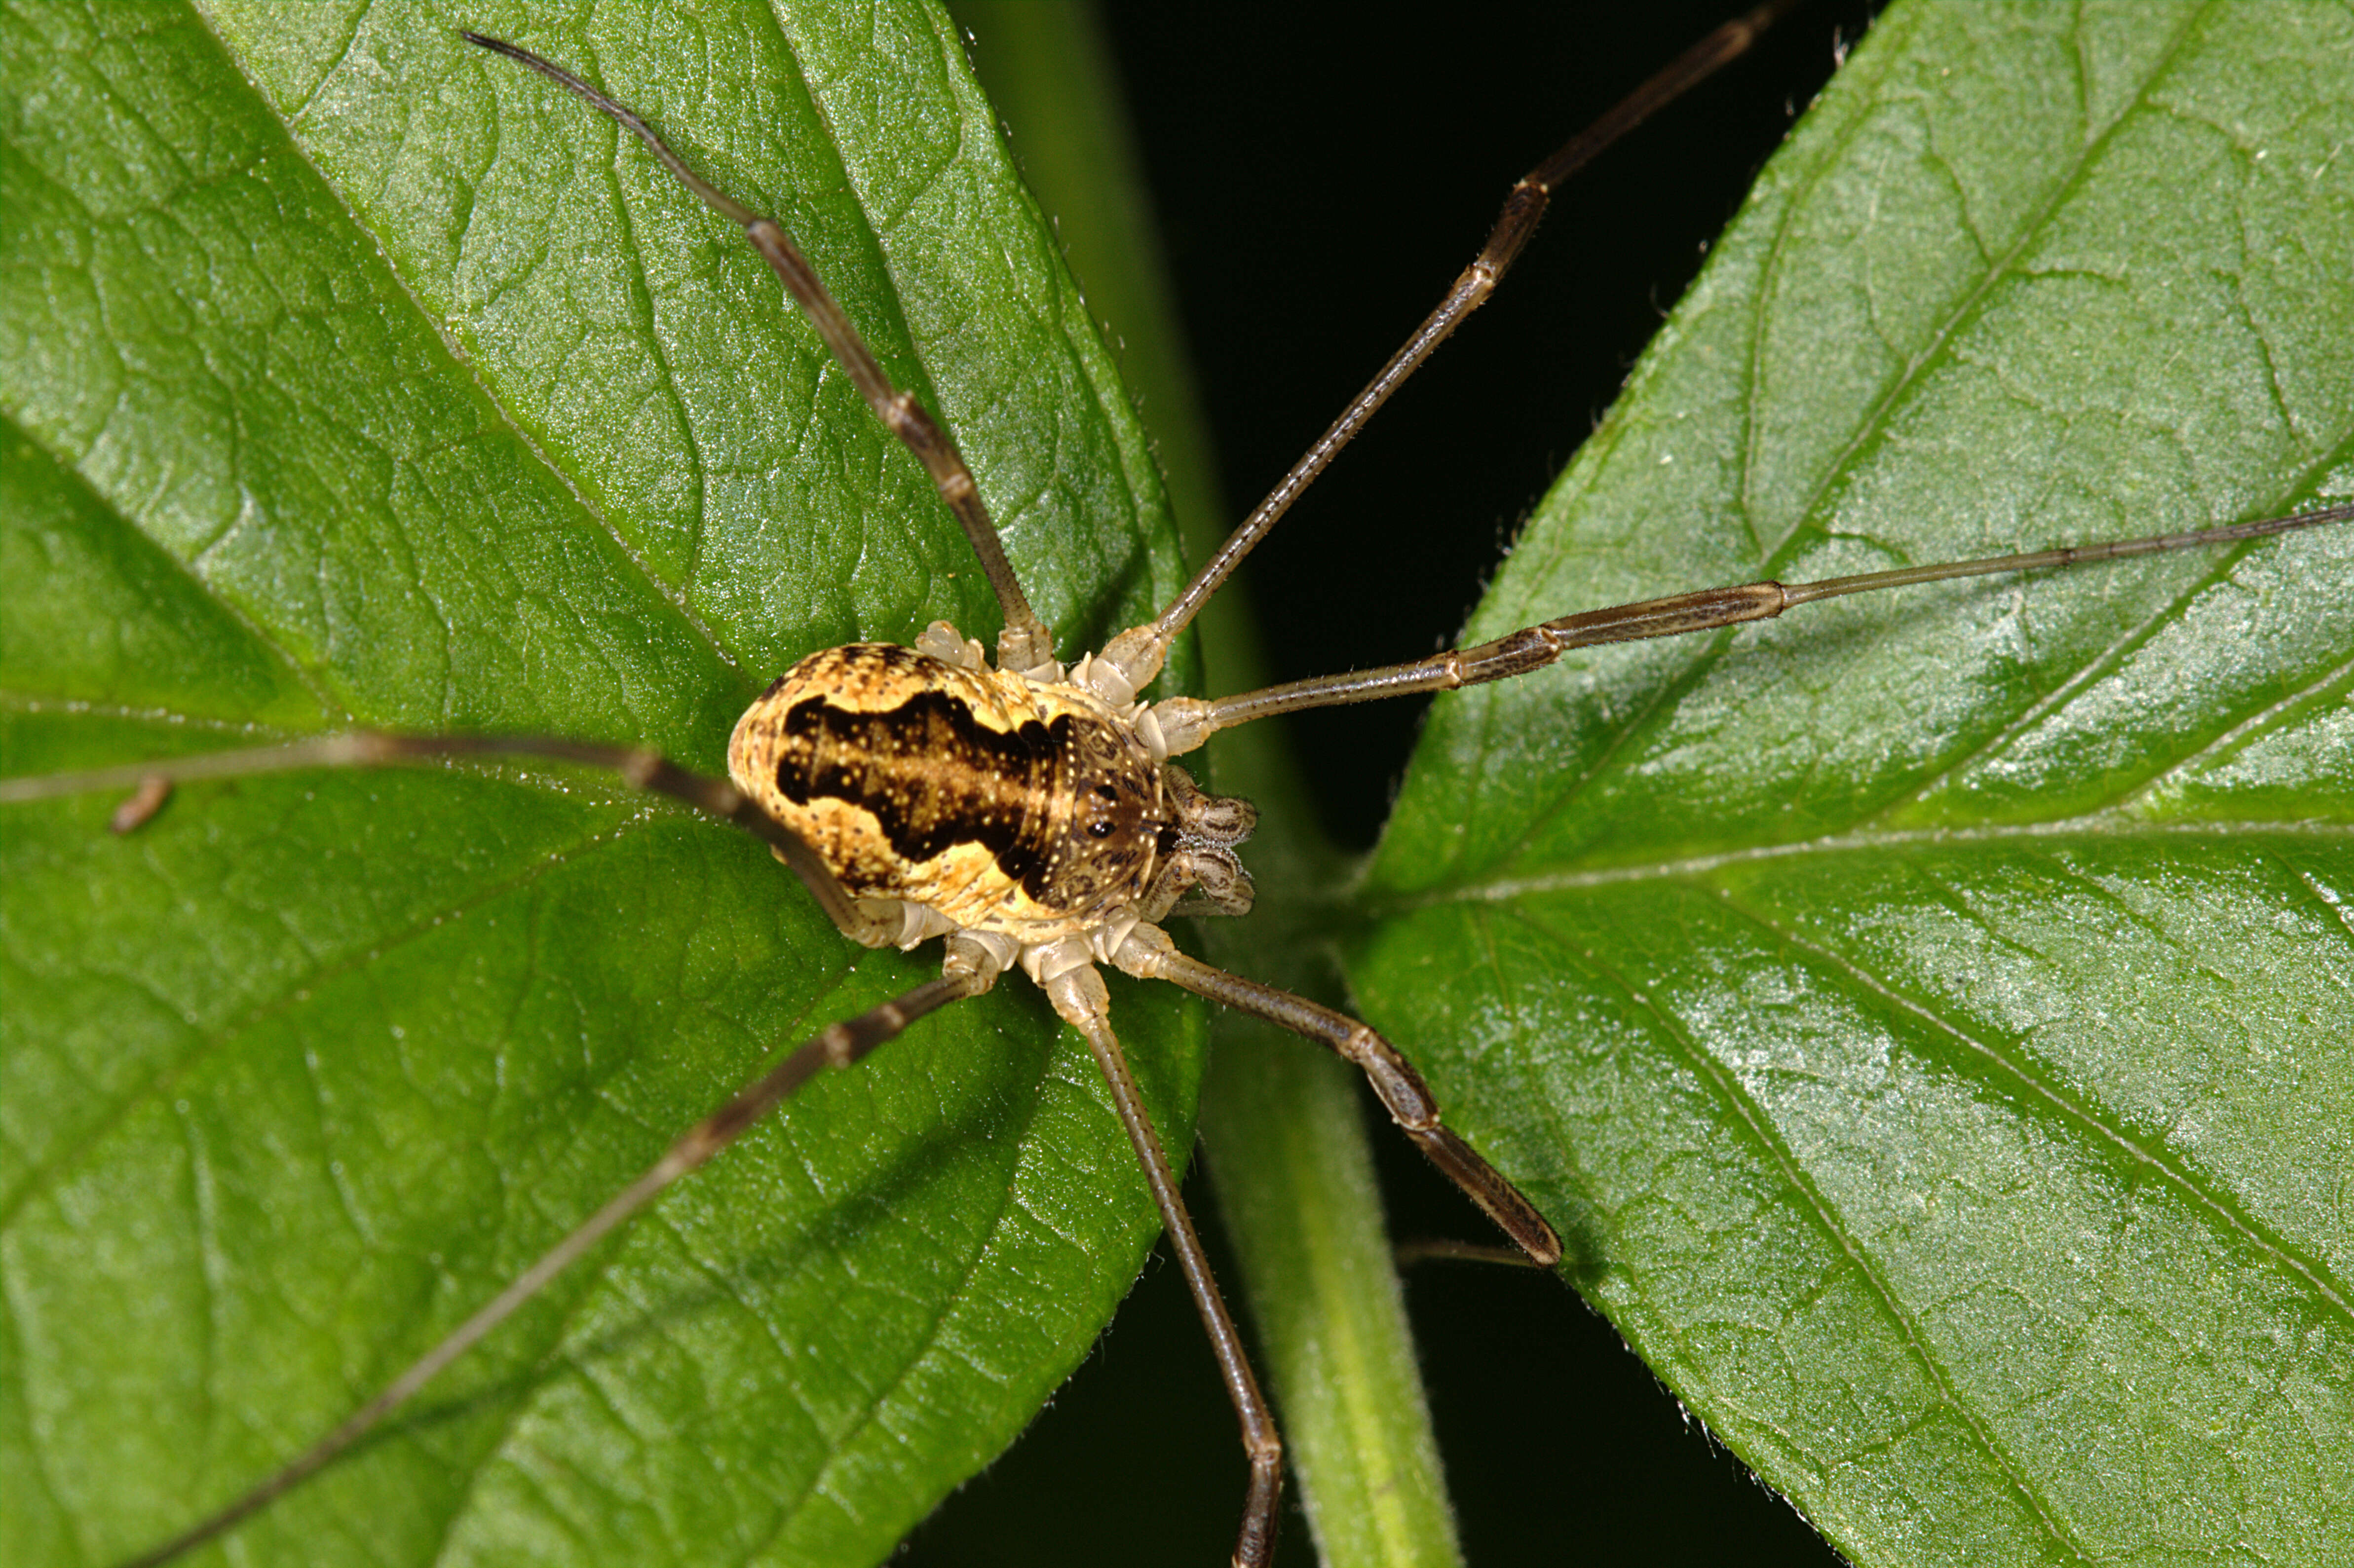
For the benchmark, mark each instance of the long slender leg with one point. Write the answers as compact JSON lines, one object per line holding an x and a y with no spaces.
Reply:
{"x":1026,"y":641}
{"x":640,"y":768}
{"x":1186,"y":722}
{"x":1079,"y":996}
{"x":1410,"y":1254}
{"x":1139,"y":650}
{"x":969,"y":969}
{"x":1149,"y":954}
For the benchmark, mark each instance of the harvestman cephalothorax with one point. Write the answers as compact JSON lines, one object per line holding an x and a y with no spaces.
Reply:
{"x":837,"y":710}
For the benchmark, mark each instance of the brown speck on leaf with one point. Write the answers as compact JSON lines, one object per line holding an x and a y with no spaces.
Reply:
{"x":142,"y":804}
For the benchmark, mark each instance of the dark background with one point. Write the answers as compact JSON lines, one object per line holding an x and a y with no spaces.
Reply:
{"x":1322,"y":174}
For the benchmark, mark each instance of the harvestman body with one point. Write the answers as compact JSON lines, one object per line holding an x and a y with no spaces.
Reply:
{"x":1028,"y":811}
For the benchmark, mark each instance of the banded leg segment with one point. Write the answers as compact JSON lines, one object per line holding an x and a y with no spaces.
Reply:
{"x":1079,"y":996}
{"x":1025,"y":643}
{"x":1149,"y":954}
{"x":969,"y":969}
{"x":638,"y":767}
{"x":1139,"y":650}
{"x":1187,"y":722}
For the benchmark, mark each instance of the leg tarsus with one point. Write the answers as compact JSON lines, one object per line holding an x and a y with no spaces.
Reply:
{"x":970,"y":971}
{"x":1149,"y":954}
{"x":1408,"y":1255}
{"x":639,"y":767}
{"x":1079,"y":996}
{"x":1185,"y":723}
{"x":1025,"y":643}
{"x":1139,"y":650}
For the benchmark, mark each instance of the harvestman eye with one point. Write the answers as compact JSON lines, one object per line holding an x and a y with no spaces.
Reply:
{"x":930,"y":793}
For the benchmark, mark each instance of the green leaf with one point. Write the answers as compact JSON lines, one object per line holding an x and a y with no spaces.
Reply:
{"x":354,"y":377}
{"x":1927,"y":1015}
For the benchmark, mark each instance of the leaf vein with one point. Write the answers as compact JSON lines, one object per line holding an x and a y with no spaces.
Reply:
{"x":2222,"y":1215}
{"x":1778,"y":1154}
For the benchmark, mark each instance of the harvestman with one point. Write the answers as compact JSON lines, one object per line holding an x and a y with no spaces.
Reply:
{"x":1028,"y":811}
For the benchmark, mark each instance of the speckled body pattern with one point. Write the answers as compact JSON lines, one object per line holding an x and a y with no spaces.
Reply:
{"x":1006,"y":805}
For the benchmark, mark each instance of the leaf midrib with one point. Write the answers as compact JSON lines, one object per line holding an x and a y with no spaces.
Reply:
{"x":2107,"y":827}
